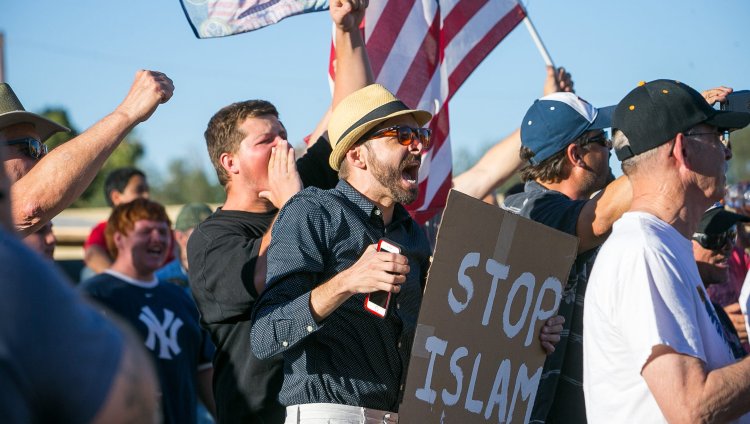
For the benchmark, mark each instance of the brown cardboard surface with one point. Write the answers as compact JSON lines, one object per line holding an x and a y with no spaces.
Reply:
{"x":495,"y":278}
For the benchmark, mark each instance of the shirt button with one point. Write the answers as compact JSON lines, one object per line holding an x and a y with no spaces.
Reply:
{"x":285,"y":343}
{"x":398,"y":305}
{"x":399,"y":345}
{"x":377,"y":212}
{"x":309,"y":329}
{"x":402,"y":387}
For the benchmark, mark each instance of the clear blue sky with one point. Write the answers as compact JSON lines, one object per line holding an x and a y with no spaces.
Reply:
{"x":83,"y":54}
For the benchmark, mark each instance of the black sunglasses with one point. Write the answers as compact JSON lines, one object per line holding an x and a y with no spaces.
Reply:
{"x":405,"y":135}
{"x":600,"y":139}
{"x":35,"y":149}
{"x":716,"y":241}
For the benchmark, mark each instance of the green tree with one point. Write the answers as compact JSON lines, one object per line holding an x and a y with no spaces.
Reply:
{"x":127,"y":153}
{"x":186,"y":182}
{"x":739,"y":166}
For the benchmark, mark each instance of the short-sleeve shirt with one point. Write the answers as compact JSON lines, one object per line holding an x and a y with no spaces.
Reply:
{"x":560,"y":392}
{"x":644,"y":291}
{"x":47,"y":334}
{"x":167,"y":321}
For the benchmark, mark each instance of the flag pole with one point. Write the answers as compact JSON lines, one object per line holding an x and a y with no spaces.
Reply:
{"x":538,"y":41}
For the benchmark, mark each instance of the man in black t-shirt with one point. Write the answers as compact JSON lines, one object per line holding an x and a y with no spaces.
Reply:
{"x":247,"y":144}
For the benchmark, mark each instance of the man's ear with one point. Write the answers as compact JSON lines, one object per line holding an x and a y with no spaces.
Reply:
{"x":228,"y":163}
{"x":574,"y":153}
{"x":115,"y":196}
{"x":680,"y":150}
{"x":357,"y":157}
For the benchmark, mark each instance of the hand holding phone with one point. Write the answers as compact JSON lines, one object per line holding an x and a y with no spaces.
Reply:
{"x":377,"y":302}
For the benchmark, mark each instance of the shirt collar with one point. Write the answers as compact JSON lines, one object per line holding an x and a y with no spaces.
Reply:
{"x":368,"y":207}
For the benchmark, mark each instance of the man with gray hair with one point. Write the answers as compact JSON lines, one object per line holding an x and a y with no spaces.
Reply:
{"x":654,"y":349}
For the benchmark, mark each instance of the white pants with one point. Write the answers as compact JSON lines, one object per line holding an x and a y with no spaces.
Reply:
{"x":331,"y":413}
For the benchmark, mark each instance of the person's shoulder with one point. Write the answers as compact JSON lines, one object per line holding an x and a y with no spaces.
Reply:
{"x":233,"y":223}
{"x":100,"y":284}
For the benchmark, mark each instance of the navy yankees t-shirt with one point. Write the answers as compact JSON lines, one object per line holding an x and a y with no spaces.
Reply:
{"x":167,"y":320}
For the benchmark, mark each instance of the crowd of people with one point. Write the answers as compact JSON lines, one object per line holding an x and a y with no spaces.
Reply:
{"x":253,"y":312}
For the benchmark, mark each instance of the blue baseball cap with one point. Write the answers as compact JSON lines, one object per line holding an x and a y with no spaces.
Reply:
{"x":558,"y":119}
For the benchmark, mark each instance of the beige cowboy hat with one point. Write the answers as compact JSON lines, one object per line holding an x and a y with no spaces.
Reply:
{"x":12,"y":112}
{"x":359,"y":113}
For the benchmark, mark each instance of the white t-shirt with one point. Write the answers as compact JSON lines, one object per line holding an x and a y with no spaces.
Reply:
{"x":745,"y":301}
{"x":644,"y":291}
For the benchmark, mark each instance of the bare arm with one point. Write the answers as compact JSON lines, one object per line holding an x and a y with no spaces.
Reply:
{"x":133,"y":396}
{"x":372,"y":272}
{"x":503,"y":160}
{"x":96,"y":258}
{"x":205,"y":390}
{"x":493,"y":169}
{"x":60,"y":177}
{"x":738,"y":320}
{"x":352,"y":64}
{"x":597,"y":216}
{"x":686,"y":392}
{"x":320,"y":129}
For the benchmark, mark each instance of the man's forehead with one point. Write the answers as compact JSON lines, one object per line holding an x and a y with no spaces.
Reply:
{"x":254,"y":126}
{"x":15,"y":131}
{"x":150,"y":224}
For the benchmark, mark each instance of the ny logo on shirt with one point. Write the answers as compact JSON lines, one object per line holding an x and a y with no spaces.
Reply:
{"x":165,"y":331}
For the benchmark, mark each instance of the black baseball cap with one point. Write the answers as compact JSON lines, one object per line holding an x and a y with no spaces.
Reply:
{"x":655,"y":112}
{"x":717,"y":220}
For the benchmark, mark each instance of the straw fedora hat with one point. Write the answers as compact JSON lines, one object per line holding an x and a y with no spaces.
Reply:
{"x":12,"y":112}
{"x":362,"y":111}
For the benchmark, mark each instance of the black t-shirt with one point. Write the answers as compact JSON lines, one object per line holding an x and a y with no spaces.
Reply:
{"x":313,"y":167}
{"x":222,"y":252}
{"x":58,"y":355}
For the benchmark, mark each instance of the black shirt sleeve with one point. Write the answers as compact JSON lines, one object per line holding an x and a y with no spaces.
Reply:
{"x":314,"y":169}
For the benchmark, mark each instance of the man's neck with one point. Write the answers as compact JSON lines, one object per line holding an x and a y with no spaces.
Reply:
{"x":126,"y":268}
{"x":566,"y":187}
{"x":249,"y":201}
{"x":672,"y":205}
{"x":374,"y":192}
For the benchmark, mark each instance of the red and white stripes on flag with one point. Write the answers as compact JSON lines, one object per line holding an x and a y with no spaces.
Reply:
{"x":423,"y":50}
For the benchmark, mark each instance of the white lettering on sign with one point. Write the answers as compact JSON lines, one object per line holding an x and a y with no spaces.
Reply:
{"x":524,"y":388}
{"x":523,"y":291}
{"x":470,"y":260}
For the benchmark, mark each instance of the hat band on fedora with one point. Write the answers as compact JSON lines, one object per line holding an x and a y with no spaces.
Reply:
{"x":378,"y":112}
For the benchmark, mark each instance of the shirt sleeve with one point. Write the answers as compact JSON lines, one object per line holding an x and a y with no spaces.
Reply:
{"x":295,"y":260}
{"x":96,"y":237}
{"x":52,"y":329}
{"x":554,"y":210}
{"x":314,"y":169}
{"x":656,"y":308}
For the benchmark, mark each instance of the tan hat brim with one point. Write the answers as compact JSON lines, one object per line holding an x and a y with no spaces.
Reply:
{"x":43,"y":126}
{"x":349,"y":138}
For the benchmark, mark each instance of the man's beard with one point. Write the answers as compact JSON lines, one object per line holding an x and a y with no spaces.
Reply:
{"x":390,"y":177}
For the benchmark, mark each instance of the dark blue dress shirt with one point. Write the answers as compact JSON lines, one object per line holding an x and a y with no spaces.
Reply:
{"x":352,"y":357}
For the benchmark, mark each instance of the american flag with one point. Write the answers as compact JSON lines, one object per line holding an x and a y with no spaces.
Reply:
{"x":423,"y":51}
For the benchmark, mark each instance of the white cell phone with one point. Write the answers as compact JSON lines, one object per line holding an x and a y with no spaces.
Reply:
{"x":377,"y":302}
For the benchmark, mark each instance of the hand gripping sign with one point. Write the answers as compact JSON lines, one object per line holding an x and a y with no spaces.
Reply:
{"x":495,"y":279}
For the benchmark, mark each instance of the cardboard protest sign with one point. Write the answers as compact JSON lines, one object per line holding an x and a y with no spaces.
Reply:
{"x":495,"y":279}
